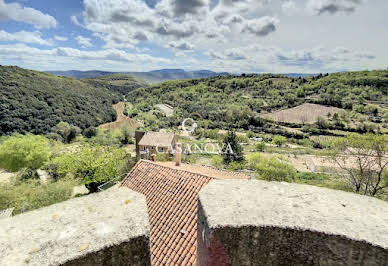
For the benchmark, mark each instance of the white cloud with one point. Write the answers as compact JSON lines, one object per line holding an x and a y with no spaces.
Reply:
{"x":127,"y":22}
{"x":24,"y":36}
{"x":289,"y":8}
{"x":14,"y":11}
{"x":83,"y":41}
{"x":181,"y":46}
{"x":60,"y":38}
{"x":260,"y":27}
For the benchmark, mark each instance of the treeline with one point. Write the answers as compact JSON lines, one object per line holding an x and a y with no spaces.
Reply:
{"x":34,"y":102}
{"x":121,"y":84}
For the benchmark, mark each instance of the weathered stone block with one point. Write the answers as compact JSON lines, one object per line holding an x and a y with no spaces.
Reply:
{"x":269,"y":223}
{"x":106,"y":228}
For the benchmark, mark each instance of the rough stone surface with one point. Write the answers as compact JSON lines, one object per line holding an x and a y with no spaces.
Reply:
{"x":79,"y":190}
{"x":43,"y":176}
{"x":269,"y":223}
{"x":106,"y":228}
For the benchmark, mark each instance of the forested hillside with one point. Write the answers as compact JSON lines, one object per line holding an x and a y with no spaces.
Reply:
{"x":119,"y":83}
{"x":237,"y":101}
{"x":32,"y":101}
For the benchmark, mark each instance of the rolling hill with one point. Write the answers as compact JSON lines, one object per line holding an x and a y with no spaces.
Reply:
{"x":32,"y":101}
{"x":240,"y":101}
{"x":154,"y":76}
{"x":119,"y":83}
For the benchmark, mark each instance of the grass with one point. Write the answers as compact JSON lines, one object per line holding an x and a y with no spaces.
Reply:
{"x":30,"y":194}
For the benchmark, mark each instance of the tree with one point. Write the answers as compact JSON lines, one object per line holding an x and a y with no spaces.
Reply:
{"x":322,"y":123}
{"x":90,"y":132}
{"x":94,"y":165}
{"x":126,"y":133}
{"x":235,"y":153}
{"x":363,"y":159}
{"x":24,"y":151}
{"x":279,"y":140}
{"x":272,"y":168}
{"x":66,"y":131}
{"x":260,"y":146}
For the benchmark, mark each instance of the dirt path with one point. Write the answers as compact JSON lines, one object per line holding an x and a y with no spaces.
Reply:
{"x":121,"y":119}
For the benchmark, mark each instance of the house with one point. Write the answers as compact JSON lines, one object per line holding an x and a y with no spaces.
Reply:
{"x":148,"y":143}
{"x":171,"y":191}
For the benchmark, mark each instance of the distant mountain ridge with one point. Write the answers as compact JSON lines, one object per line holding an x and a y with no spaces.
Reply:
{"x":153,"y":76}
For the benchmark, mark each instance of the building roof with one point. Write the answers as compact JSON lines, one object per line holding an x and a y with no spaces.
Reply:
{"x":157,"y":139}
{"x":171,"y":194}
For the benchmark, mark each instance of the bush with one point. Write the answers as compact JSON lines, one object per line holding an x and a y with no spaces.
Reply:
{"x":260,"y":146}
{"x":211,"y":134}
{"x":90,"y":132}
{"x":126,"y":134}
{"x":66,"y":131}
{"x":272,"y":168}
{"x":24,"y":151}
{"x":30,"y":194}
{"x":279,"y":140}
{"x":234,"y":166}
{"x":217,"y":161}
{"x":93,"y":165}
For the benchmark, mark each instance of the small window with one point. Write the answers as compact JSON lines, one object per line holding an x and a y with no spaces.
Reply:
{"x":144,"y":148}
{"x":152,"y":148}
{"x":161,"y":149}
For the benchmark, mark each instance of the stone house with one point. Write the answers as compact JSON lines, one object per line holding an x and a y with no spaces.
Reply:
{"x":148,"y":143}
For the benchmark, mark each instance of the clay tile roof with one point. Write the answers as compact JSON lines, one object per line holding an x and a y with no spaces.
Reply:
{"x":157,"y":139}
{"x":171,"y":194}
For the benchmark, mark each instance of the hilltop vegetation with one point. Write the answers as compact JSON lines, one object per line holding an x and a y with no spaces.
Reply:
{"x":154,"y":76}
{"x":32,"y":101}
{"x":237,"y":101}
{"x":118,"y":83}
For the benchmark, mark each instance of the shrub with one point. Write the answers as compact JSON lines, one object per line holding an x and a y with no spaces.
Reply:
{"x":24,"y":151}
{"x":279,"y":140}
{"x":66,"y":131}
{"x":260,"y":146}
{"x":126,"y":134}
{"x":90,"y":132}
{"x":94,"y":165}
{"x":272,"y":168}
{"x":236,"y":165}
{"x":30,"y":194}
{"x":250,"y":134}
{"x":217,"y":161}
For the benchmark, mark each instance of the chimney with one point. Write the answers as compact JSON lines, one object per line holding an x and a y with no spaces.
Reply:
{"x":178,"y":154}
{"x":138,"y":137}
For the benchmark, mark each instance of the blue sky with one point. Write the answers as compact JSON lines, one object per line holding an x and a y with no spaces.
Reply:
{"x":222,"y":35}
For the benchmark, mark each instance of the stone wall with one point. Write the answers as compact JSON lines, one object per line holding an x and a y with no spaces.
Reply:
{"x":106,"y":228}
{"x":268,"y":223}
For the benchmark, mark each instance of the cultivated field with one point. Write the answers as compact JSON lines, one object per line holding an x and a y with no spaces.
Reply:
{"x":121,"y":119}
{"x":303,"y":114}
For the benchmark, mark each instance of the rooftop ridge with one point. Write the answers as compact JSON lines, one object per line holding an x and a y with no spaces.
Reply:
{"x":190,"y":171}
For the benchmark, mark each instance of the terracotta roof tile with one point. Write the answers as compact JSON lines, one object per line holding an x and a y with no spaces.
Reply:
{"x":171,"y":194}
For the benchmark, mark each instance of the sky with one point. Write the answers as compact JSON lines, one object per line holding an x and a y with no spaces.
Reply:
{"x":237,"y":36}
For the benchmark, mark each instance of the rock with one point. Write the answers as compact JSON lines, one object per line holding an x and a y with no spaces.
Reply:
{"x":79,"y":190}
{"x":43,"y":176}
